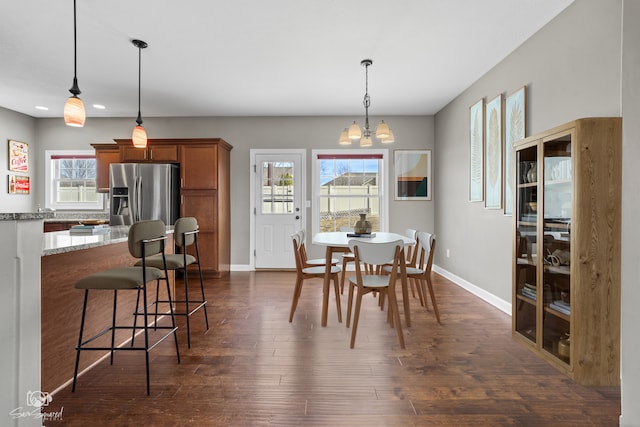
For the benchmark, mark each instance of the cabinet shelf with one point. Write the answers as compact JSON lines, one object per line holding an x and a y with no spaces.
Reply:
{"x":579,"y":195}
{"x":556,"y":313}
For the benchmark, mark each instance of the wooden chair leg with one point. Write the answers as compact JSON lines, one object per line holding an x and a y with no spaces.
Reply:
{"x":337,"y":291}
{"x":393,"y":307}
{"x":344,"y":269}
{"x":349,"y":303}
{"x":296,"y":296}
{"x":356,"y":317}
{"x":433,"y":299}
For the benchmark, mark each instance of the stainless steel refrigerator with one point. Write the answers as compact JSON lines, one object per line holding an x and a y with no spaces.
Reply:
{"x":143,"y":191}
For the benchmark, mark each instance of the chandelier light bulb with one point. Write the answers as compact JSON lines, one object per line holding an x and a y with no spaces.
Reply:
{"x":366,"y":142}
{"x":344,"y":138}
{"x":354,"y":131}
{"x":382,"y":131}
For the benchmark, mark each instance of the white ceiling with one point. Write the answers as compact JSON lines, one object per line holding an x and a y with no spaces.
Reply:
{"x":257,"y":57}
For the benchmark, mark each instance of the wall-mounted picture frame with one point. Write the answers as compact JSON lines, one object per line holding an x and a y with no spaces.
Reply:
{"x":412,"y":174}
{"x":493,"y":154}
{"x":19,"y":184}
{"x":515,"y":129}
{"x":476,"y":151}
{"x":18,"y":156}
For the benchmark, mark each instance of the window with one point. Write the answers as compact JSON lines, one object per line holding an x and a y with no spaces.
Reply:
{"x":348,"y":183}
{"x":71,"y":180}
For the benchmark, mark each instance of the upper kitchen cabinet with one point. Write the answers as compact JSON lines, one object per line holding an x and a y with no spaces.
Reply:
{"x":105,"y":155}
{"x":157,"y":151}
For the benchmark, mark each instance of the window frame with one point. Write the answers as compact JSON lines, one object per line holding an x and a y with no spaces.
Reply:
{"x":383,"y":185}
{"x":50,"y":200}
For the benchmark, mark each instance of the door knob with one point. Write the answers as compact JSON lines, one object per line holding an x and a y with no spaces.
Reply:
{"x":297,"y":216}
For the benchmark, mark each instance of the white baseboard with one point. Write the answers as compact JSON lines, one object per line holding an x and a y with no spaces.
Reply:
{"x":499,"y":303}
{"x":241,"y":267}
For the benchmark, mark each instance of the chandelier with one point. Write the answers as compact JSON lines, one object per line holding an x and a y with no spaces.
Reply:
{"x":354,"y":132}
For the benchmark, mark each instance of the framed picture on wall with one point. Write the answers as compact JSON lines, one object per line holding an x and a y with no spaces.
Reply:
{"x":515,"y":129}
{"x":412,"y":174}
{"x":18,"y":156}
{"x":493,"y":154}
{"x":476,"y":151}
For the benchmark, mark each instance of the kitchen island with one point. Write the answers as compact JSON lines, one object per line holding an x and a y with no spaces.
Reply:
{"x":66,"y":258}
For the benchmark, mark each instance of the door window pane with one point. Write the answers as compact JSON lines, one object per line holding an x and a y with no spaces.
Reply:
{"x":277,"y":187}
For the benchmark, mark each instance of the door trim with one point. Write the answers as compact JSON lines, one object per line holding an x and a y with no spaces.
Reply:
{"x":253,"y":152}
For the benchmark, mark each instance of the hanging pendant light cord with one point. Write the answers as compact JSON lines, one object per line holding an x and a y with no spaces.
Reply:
{"x":139,"y":119}
{"x":75,"y":90}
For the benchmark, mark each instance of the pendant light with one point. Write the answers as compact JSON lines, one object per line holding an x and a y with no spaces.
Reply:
{"x":74,"y":114}
{"x":383,"y":133}
{"x":139,"y":136}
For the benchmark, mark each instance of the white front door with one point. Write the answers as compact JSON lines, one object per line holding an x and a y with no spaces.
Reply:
{"x":278,"y":205}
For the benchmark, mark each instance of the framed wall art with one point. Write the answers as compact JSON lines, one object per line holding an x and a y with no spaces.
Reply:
{"x":514,"y":130}
{"x":18,"y":156}
{"x":476,"y":151}
{"x":493,"y":154}
{"x":19,"y":184}
{"x":412,"y":173}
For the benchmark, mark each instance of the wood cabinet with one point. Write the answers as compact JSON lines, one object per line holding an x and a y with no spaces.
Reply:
{"x":205,"y":193}
{"x":154,"y":153}
{"x":105,"y":155}
{"x":566,"y":248}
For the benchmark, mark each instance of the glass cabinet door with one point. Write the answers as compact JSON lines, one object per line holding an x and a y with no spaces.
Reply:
{"x":558,"y":195}
{"x":526,"y":211}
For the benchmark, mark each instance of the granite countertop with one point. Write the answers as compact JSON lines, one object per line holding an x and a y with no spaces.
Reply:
{"x":58,"y":242}
{"x":26,"y":216}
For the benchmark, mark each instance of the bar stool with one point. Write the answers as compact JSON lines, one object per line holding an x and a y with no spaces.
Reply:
{"x":145,"y":238}
{"x":185,"y":234}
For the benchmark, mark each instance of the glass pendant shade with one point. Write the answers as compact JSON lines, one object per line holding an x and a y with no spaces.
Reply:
{"x":382,"y":131}
{"x":366,"y":142}
{"x":344,"y":138}
{"x":139,"y":137}
{"x":74,"y":114}
{"x":354,"y":131}
{"x":389,"y":139}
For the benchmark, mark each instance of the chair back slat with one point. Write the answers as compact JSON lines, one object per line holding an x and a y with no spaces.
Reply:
{"x":427,"y":242}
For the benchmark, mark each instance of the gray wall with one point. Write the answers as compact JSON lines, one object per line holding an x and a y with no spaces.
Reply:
{"x":244,"y":133}
{"x":20,"y":128}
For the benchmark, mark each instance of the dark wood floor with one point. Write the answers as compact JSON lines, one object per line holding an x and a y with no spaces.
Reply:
{"x":254,"y":368}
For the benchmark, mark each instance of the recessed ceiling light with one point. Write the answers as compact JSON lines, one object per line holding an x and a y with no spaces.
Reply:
{"x":99,"y":106}
{"x":41,"y":107}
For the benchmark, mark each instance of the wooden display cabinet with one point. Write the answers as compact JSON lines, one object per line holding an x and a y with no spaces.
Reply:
{"x":566,"y":249}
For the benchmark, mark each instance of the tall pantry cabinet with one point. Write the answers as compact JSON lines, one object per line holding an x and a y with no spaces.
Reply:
{"x":204,"y":188}
{"x":566,"y":251}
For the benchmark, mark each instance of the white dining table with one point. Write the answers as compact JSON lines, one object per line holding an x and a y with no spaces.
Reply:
{"x":338,"y":242}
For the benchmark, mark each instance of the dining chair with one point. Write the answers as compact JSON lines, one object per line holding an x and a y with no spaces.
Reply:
{"x":145,"y":238}
{"x":309,"y":272}
{"x":375,"y":254}
{"x":421,"y":273}
{"x":314,"y":262}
